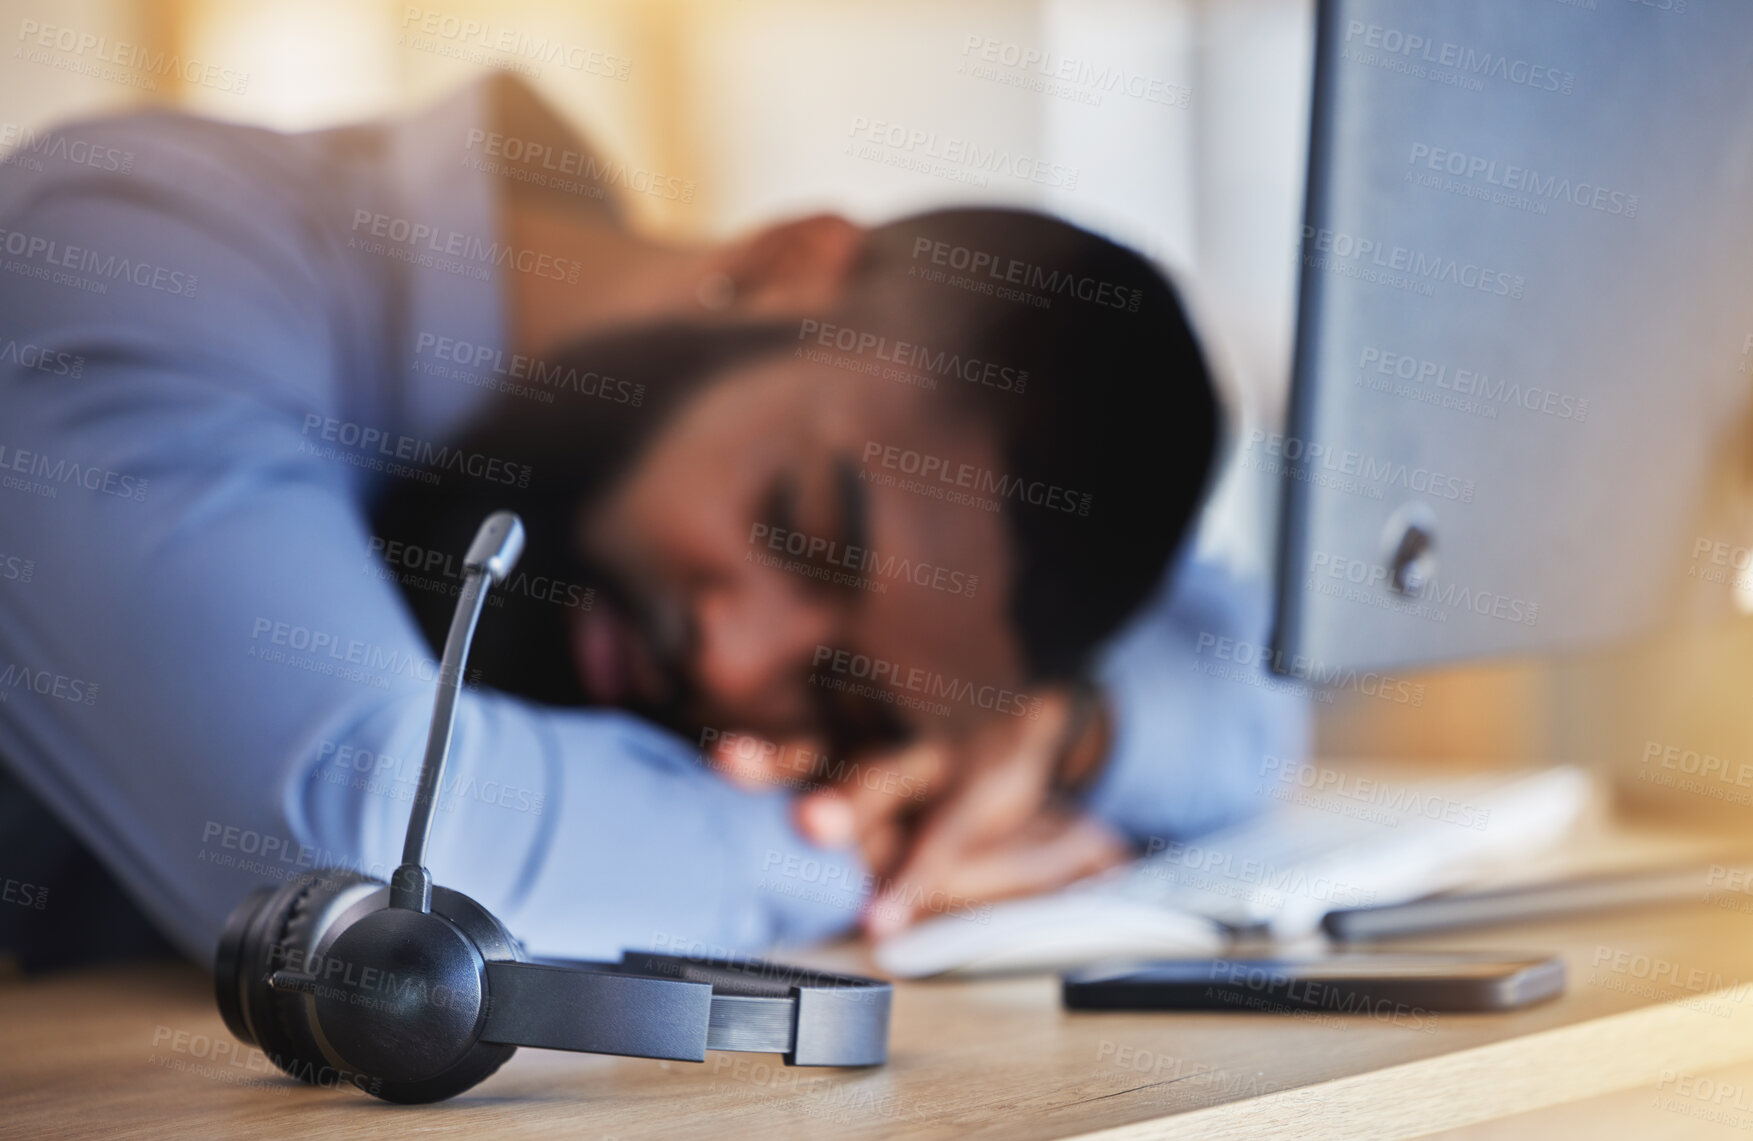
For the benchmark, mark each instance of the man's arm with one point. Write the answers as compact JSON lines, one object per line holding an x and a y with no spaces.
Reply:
{"x":204,"y":659}
{"x":1199,"y":728}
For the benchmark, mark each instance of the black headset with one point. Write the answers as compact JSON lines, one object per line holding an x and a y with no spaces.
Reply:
{"x":413,"y":992}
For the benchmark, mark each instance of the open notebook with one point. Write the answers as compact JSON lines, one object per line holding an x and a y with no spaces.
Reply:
{"x":1344,"y":844}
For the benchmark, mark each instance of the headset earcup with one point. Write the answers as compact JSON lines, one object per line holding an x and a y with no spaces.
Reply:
{"x":283,"y":931}
{"x":284,"y":937}
{"x":483,"y":1059}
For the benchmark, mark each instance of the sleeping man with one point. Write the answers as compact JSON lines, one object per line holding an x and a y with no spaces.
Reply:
{"x":859,"y":586}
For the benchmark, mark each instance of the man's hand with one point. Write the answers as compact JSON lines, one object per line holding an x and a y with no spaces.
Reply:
{"x":993,"y":822}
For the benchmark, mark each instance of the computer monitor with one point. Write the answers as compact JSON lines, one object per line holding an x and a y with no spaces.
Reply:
{"x":1524,"y":325}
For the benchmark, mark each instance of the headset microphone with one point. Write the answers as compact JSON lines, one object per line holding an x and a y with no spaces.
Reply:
{"x":491,"y":556}
{"x":415,"y":993}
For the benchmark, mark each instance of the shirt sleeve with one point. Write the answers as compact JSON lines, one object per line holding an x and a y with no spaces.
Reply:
{"x":1202,"y":731}
{"x":204,"y":674}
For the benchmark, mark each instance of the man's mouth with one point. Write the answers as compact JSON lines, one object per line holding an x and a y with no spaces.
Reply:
{"x":617,"y":661}
{"x":600,"y":652}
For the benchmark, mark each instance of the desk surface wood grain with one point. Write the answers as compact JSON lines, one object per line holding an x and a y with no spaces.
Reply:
{"x":141,"y":1052}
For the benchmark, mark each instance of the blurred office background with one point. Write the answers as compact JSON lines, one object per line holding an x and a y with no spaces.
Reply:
{"x":754,"y":105}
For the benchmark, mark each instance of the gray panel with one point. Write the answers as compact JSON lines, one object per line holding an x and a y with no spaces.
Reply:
{"x":597,"y":1012}
{"x":1524,"y":321}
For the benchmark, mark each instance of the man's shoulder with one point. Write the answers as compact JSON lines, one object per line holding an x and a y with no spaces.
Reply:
{"x":226,"y":167}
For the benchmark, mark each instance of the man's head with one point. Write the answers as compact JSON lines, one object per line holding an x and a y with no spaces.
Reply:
{"x":894,"y":515}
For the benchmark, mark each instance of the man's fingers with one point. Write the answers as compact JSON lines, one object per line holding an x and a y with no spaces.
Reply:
{"x":873,"y":793}
{"x":989,"y":802}
{"x":744,"y":769}
{"x":1050,"y":854}
{"x":826,"y":820}
{"x":1068,"y":849}
{"x":883,"y":846}
{"x":999,"y":777}
{"x":943,"y":838}
{"x":752,"y":761}
{"x":1008,"y":774}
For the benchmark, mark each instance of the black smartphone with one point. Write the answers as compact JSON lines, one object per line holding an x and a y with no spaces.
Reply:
{"x":1350,"y":982}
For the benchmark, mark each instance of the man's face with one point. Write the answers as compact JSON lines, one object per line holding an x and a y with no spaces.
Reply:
{"x":788,"y":559}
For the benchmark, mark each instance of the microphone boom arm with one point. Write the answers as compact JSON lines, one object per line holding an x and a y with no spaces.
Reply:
{"x":491,"y":556}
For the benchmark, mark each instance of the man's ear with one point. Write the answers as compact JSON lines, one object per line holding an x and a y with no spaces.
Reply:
{"x":802,"y":264}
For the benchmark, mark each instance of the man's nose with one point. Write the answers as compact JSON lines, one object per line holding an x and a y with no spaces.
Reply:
{"x":755,"y":638}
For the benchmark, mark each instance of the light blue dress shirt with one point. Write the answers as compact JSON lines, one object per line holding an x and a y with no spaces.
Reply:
{"x":208,"y":367}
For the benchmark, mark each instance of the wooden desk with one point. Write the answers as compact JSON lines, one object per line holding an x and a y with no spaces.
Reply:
{"x":141,"y":1052}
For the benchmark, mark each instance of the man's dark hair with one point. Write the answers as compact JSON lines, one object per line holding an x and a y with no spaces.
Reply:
{"x":1107,"y":425}
{"x":1109,"y":442}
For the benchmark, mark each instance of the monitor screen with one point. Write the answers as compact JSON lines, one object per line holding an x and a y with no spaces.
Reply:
{"x":1524,"y":325}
